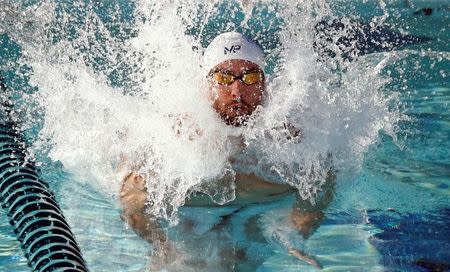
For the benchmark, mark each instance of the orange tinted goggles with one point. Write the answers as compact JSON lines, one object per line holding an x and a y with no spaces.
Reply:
{"x":248,"y":78}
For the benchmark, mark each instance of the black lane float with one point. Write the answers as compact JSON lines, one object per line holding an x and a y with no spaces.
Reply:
{"x":36,"y":218}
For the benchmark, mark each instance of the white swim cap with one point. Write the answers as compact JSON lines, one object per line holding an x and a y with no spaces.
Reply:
{"x":229,"y":46}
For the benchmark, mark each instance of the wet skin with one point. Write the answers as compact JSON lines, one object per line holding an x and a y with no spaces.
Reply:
{"x":234,"y":103}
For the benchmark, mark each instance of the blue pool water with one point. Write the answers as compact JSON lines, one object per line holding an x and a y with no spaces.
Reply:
{"x":393,"y":215}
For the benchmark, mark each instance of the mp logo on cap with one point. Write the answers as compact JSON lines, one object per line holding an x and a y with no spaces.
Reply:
{"x":232,"y":49}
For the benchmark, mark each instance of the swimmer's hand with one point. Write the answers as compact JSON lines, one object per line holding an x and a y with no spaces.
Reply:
{"x":304,"y":257}
{"x":133,"y":196}
{"x":300,"y":254}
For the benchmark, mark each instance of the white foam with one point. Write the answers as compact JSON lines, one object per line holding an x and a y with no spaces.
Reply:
{"x":90,"y":125}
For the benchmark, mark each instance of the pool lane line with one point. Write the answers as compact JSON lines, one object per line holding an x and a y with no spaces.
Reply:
{"x":37,"y":220}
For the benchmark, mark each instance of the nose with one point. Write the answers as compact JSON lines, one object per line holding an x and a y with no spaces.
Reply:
{"x":236,"y":89}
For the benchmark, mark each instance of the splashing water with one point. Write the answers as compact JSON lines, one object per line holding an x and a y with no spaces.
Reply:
{"x":113,"y":91}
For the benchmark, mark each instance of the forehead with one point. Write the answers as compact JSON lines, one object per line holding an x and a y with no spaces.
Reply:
{"x":236,"y":66}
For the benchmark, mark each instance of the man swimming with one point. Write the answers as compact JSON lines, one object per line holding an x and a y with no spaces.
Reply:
{"x":237,"y":86}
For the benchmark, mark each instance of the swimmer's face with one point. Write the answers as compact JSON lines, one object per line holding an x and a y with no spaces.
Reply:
{"x":236,"y":101}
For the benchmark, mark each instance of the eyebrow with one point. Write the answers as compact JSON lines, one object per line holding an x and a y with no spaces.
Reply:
{"x":254,"y":69}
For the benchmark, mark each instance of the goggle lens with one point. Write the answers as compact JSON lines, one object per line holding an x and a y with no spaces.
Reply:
{"x":252,"y":78}
{"x":223,"y":78}
{"x":248,"y":78}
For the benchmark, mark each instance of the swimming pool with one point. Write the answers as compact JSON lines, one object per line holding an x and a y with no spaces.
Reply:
{"x":391,"y":216}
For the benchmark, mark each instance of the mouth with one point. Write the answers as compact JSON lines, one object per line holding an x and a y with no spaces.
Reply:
{"x":236,"y":113}
{"x":238,"y":107}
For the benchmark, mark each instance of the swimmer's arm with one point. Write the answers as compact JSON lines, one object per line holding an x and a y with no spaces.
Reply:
{"x":133,"y":196}
{"x":307,"y":217}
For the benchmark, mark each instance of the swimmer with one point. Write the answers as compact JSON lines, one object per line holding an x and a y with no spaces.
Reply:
{"x":234,"y":67}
